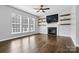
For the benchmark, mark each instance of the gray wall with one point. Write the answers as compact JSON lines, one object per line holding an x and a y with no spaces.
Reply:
{"x":77,"y":25}
{"x":5,"y":22}
{"x":73,"y":24}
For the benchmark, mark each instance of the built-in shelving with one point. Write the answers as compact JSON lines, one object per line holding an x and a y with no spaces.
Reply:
{"x":66,"y":24}
{"x":42,"y":25}
{"x":41,"y":22}
{"x":65,"y":15}
{"x":66,"y":18}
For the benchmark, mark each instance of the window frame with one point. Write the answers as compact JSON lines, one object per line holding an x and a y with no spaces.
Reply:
{"x":25,"y":24}
{"x":31,"y":26}
{"x":32,"y":29}
{"x":14,"y":15}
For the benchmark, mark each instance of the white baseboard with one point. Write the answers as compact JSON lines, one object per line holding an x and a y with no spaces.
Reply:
{"x":77,"y":45}
{"x":6,"y":39}
{"x":14,"y":37}
{"x":65,"y":35}
{"x":74,"y":42}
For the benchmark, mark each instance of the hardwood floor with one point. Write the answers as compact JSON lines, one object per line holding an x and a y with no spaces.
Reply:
{"x":39,"y":43}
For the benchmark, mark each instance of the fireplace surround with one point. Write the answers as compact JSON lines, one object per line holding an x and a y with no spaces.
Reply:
{"x":52,"y":31}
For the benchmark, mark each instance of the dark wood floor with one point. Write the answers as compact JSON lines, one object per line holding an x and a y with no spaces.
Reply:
{"x":39,"y":43}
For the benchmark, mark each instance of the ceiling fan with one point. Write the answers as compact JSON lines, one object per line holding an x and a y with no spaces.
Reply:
{"x":41,"y":8}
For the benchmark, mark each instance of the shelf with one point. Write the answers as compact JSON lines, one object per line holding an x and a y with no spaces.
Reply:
{"x":42,"y":21}
{"x":64,"y":19}
{"x":66,"y":24}
{"x":65,"y":15}
{"x":41,"y":25}
{"x":41,"y":18}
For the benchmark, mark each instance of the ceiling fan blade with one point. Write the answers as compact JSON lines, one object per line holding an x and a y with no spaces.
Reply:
{"x":43,"y":11}
{"x":45,"y":8}
{"x":38,"y":11}
{"x":36,"y":8}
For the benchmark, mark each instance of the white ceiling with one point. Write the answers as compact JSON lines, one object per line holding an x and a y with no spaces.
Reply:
{"x":53,"y":9}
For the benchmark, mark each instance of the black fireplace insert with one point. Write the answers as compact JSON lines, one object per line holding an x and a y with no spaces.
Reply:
{"x":52,"y":31}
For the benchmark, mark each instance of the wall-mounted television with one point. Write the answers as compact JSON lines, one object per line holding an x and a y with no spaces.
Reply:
{"x":52,"y":18}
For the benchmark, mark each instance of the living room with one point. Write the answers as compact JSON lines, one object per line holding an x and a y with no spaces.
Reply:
{"x":39,"y":28}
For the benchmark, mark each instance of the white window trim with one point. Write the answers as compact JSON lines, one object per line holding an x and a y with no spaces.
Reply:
{"x":15,"y":23}
{"x":21,"y":30}
{"x":27,"y":25}
{"x":33,"y":29}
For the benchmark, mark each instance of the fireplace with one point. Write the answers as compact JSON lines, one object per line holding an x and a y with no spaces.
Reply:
{"x":52,"y":31}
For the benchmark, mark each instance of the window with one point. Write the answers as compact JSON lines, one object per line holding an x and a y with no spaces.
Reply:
{"x":16,"y":23}
{"x":22,"y":24}
{"x":25,"y":24}
{"x":32,"y":25}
